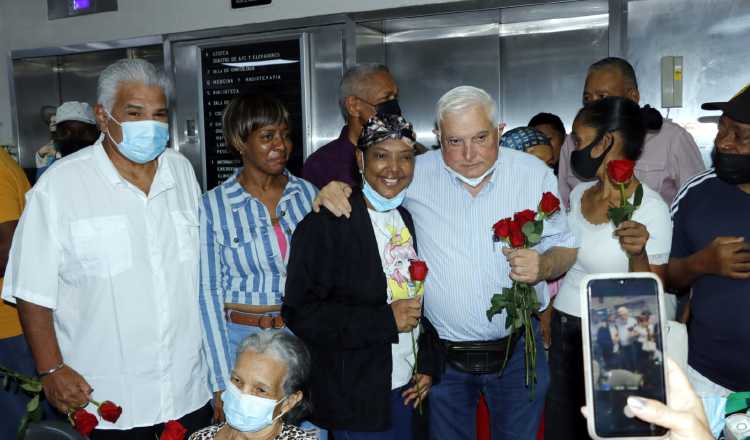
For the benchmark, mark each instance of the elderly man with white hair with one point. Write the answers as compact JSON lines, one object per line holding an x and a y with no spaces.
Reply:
{"x":104,"y":268}
{"x":456,"y":196}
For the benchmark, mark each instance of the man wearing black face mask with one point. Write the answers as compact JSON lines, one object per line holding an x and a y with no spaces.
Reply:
{"x":711,"y":255}
{"x":365,"y":90}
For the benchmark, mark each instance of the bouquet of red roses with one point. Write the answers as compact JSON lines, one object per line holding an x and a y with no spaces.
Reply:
{"x":519,"y":301}
{"x":621,"y":173}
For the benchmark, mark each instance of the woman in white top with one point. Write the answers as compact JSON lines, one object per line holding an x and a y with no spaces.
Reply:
{"x":610,"y":129}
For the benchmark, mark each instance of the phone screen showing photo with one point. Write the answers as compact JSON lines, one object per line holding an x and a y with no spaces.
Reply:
{"x":627,"y":357}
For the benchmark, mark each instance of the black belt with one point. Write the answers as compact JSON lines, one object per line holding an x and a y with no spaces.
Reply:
{"x":480,"y":357}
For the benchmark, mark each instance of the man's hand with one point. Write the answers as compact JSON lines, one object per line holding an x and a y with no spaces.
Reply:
{"x":418,"y":392}
{"x":218,"y":416}
{"x":633,"y":237}
{"x":728,"y":257}
{"x":525,"y":265}
{"x":335,"y":197}
{"x":407,"y":312}
{"x":66,"y":390}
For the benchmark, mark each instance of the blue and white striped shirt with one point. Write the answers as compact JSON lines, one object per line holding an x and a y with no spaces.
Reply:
{"x":455,"y":239}
{"x":241,"y":260}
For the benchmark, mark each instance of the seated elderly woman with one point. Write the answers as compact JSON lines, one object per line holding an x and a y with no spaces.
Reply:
{"x":350,"y":297}
{"x":265,"y":393}
{"x":530,"y":140}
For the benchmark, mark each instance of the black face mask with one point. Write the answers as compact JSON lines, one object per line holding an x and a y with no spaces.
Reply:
{"x":389,"y":107}
{"x":583,"y":164}
{"x":734,"y":169}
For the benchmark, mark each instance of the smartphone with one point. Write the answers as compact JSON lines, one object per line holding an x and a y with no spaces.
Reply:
{"x":622,"y":323}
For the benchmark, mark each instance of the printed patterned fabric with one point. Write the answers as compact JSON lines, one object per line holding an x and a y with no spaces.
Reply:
{"x":523,"y":138}
{"x":381,"y":128}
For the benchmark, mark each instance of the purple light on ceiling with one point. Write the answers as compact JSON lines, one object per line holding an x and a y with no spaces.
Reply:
{"x":81,"y":4}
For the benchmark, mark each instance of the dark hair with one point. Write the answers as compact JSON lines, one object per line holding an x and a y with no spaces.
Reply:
{"x":618,"y":114}
{"x":619,"y":64}
{"x":553,"y":121}
{"x":247,"y":113}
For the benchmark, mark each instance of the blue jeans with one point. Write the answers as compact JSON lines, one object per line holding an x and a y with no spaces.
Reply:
{"x":515,"y":412}
{"x":15,"y":354}
{"x":238,"y":332}
{"x":400,"y":429}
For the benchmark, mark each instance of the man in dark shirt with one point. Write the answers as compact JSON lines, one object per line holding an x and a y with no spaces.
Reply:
{"x":366,"y":89}
{"x":711,"y":255}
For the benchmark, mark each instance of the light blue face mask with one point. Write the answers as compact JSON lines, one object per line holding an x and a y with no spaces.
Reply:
{"x":142,"y":141}
{"x":715,"y":408}
{"x":472,"y":181}
{"x":248,"y":413}
{"x":378,"y":202}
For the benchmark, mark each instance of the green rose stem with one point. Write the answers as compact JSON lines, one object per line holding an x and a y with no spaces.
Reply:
{"x":33,"y":387}
{"x":417,"y":286}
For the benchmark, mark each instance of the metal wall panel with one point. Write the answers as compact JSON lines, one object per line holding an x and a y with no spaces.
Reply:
{"x":713,"y":36}
{"x":52,"y":80}
{"x":430,"y":55}
{"x":36,"y":86}
{"x":326,"y":69}
{"x":544,"y":54}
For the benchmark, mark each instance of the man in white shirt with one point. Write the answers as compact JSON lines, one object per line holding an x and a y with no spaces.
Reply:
{"x":104,"y":268}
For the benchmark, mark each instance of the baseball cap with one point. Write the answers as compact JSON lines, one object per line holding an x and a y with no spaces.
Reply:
{"x":737,"y":108}
{"x":75,"y":111}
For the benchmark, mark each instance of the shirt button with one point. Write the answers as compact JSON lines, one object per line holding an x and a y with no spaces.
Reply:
{"x":236,"y":239}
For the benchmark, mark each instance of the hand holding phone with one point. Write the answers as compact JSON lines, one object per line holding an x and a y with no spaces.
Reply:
{"x":622,"y":365}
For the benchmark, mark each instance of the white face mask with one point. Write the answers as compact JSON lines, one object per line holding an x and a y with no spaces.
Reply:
{"x":246,"y":412}
{"x":472,"y":181}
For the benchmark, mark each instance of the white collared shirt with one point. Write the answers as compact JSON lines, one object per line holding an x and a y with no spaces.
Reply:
{"x":119,"y":268}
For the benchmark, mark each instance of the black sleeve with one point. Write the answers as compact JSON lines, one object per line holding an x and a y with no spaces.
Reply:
{"x":311,"y":308}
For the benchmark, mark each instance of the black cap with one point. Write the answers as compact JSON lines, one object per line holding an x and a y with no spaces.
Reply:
{"x":738,"y":108}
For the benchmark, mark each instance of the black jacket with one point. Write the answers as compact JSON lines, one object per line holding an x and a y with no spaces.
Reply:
{"x":336,"y":302}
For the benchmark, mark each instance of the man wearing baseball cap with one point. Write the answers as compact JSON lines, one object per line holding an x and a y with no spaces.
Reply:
{"x":711,"y":255}
{"x":75,"y":128}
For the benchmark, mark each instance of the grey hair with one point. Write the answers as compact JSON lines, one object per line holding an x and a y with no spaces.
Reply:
{"x":134,"y":70}
{"x":354,"y":82}
{"x":463,"y":98}
{"x":290,"y":350}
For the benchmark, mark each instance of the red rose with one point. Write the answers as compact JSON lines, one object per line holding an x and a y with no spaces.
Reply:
{"x":517,"y":239}
{"x":417,"y":270}
{"x":502,"y":228}
{"x":620,"y":171}
{"x":84,"y":422}
{"x":549,"y":204}
{"x":173,"y":430}
{"x":109,"y":411}
{"x":524,"y":217}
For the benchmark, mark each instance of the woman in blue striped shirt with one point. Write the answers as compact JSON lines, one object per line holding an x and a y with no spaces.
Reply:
{"x":246,"y":225}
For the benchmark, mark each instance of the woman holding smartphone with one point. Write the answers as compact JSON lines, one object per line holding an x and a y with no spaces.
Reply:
{"x":613,"y":128}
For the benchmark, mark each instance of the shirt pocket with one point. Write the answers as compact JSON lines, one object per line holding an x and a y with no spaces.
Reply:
{"x":651,"y":173}
{"x":186,"y":228}
{"x":102,"y":245}
{"x":238,"y":252}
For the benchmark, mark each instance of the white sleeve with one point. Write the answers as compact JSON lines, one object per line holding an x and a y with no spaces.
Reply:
{"x":35,"y":255}
{"x":659,"y":225}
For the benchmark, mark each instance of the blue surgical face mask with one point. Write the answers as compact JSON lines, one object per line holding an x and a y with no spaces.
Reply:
{"x":248,"y":413}
{"x":378,"y":202}
{"x":142,"y":141}
{"x":472,"y":181}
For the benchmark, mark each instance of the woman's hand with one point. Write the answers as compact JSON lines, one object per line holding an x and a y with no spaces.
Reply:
{"x":633,"y":237}
{"x":684,"y":417}
{"x":418,"y":392}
